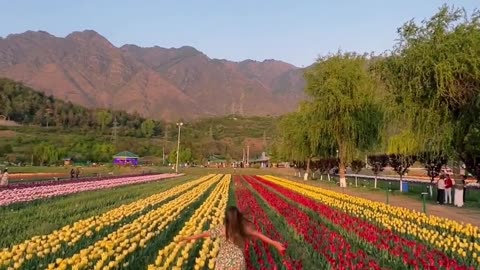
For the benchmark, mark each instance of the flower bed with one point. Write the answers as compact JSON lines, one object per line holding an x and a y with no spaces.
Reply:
{"x":321,"y":230}
{"x":9,"y":196}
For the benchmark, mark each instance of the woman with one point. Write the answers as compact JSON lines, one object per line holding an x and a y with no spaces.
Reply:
{"x":441,"y":190}
{"x":233,"y":236}
{"x":4,"y":178}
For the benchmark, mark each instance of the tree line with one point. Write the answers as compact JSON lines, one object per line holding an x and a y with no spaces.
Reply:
{"x":418,"y":101}
{"x":23,"y":105}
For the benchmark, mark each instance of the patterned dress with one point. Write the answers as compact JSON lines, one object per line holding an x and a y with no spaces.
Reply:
{"x":230,"y":256}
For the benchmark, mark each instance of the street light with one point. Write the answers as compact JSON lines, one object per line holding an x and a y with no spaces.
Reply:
{"x":178,"y":145}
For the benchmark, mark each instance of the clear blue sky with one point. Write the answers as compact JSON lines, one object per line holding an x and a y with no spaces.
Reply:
{"x":292,"y":31}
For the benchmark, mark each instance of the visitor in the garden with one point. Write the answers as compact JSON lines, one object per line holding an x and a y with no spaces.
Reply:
{"x":464,"y":184}
{"x":441,"y":190}
{"x":4,"y":179}
{"x":448,"y":189}
{"x":233,"y":235}
{"x":77,"y":173}
{"x":458,"y":198}
{"x":72,"y":173}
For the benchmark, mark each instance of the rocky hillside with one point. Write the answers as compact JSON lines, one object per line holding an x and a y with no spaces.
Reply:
{"x":85,"y":68}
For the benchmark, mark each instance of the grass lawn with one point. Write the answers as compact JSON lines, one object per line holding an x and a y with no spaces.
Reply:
{"x":36,"y":173}
{"x":24,"y":220}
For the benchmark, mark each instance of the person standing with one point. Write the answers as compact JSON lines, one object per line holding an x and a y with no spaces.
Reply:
{"x":77,"y":173}
{"x":464,"y":183}
{"x":448,"y":189}
{"x":459,"y":192}
{"x":441,"y":190}
{"x":72,"y":174}
{"x":4,"y":179}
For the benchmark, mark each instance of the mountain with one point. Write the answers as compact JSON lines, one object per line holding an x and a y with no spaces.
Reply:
{"x":85,"y":68}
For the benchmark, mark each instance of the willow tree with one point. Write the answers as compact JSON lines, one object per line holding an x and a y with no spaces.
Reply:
{"x":294,"y":140}
{"x":433,"y":76}
{"x":344,"y":106}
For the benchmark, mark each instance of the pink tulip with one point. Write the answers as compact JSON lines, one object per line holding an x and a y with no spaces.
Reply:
{"x":9,"y":196}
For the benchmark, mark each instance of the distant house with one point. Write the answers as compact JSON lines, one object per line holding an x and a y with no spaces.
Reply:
{"x":125,"y":158}
{"x":216,"y":161}
{"x":67,"y":161}
{"x":263,"y":161}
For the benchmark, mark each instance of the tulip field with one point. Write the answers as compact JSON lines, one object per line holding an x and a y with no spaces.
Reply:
{"x":321,"y":229}
{"x":27,"y":193}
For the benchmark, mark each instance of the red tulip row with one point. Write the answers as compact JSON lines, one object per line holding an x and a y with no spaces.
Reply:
{"x":330,"y":244}
{"x":412,"y":253}
{"x":247,"y":203}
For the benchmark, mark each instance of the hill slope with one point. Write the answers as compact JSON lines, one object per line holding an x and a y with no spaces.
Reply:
{"x":86,"y":69}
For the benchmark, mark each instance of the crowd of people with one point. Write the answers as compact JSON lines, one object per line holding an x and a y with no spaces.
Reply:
{"x":448,"y":192}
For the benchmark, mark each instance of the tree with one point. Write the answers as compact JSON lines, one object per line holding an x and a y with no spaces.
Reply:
{"x":401,"y":164}
{"x":148,"y":128}
{"x":45,"y":153}
{"x":433,"y":163}
{"x":184,"y":156}
{"x":103,"y":118}
{"x":295,"y":142}
{"x":433,"y":79}
{"x":6,"y":149}
{"x":345,"y":106}
{"x":356,"y":166}
{"x":323,"y":167}
{"x":377,"y":164}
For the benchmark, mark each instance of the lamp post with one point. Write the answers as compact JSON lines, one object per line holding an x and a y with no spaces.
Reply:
{"x":178,"y":145}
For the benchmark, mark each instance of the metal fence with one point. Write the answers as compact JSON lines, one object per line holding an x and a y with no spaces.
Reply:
{"x":411,"y":186}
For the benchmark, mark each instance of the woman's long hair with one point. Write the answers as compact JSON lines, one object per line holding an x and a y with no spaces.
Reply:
{"x":235,"y":226}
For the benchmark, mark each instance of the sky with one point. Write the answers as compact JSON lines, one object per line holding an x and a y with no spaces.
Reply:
{"x":297,"y":32}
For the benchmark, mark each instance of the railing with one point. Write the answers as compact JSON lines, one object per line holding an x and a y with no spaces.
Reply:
{"x":415,"y":186}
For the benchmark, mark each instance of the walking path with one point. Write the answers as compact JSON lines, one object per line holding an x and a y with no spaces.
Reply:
{"x":464,"y":215}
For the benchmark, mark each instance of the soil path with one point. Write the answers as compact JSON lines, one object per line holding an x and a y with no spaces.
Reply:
{"x":464,"y":215}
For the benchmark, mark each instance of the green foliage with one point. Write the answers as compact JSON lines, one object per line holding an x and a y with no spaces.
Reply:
{"x":185,"y":156}
{"x":357,"y":165}
{"x":148,"y":128}
{"x":6,"y":149}
{"x":103,"y":118}
{"x":378,"y":163}
{"x":45,"y":153}
{"x":345,"y":107}
{"x":432,"y":74}
{"x":294,"y":142}
{"x":433,"y":163}
{"x":401,"y":163}
{"x":26,"y":106}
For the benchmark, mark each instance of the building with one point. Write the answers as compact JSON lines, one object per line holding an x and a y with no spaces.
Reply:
{"x":263,"y":161}
{"x":125,"y":158}
{"x":216,"y":161}
{"x":67,"y":161}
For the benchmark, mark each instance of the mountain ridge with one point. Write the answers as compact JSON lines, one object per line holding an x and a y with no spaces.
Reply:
{"x":163,"y":83}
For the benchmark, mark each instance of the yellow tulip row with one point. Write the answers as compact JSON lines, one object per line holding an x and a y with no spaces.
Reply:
{"x":174,"y":255}
{"x":110,"y":252}
{"x":440,"y":223}
{"x":416,"y":225}
{"x":41,"y":246}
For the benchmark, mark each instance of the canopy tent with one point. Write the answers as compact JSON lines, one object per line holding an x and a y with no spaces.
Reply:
{"x":125,"y":158}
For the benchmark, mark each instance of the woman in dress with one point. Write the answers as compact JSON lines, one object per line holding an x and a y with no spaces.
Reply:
{"x":4,"y":178}
{"x":233,"y":236}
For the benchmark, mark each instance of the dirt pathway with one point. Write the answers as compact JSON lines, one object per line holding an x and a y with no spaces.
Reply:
{"x":464,"y":215}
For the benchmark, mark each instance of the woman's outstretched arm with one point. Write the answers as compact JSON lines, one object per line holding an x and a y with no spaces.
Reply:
{"x":260,"y":236}
{"x":195,"y":237}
